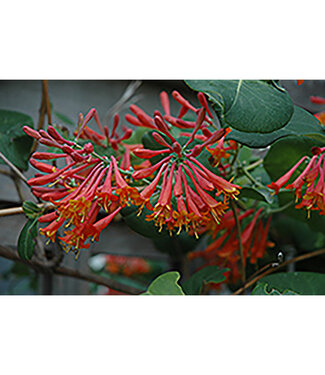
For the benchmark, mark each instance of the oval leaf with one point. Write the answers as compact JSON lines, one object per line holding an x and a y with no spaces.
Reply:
{"x":302,"y":123}
{"x":165,"y":284}
{"x":251,"y":106}
{"x":209,"y":274}
{"x":14,"y":143}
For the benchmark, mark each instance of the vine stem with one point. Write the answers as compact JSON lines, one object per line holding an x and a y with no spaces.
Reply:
{"x":20,"y":210}
{"x":45,"y":90}
{"x":254,"y":165}
{"x":241,"y":247}
{"x":250,"y":177}
{"x":45,"y":268}
{"x":279,"y":209}
{"x":44,"y":108}
{"x":275,"y":267}
{"x":11,"y":211}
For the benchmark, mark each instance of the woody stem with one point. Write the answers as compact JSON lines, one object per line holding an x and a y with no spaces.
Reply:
{"x":47,"y":100}
{"x":241,"y":247}
{"x":275,"y":268}
{"x":49,"y":268}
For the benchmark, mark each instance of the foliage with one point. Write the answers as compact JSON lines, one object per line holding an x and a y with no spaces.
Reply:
{"x":14,"y":143}
{"x":219,"y":186}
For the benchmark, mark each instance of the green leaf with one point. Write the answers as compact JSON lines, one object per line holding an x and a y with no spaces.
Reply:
{"x":26,"y":243}
{"x":32,"y":210}
{"x":263,"y":289}
{"x":14,"y":143}
{"x":302,"y":123}
{"x":165,"y":284}
{"x":305,"y":283}
{"x":209,"y":274}
{"x":251,"y":106}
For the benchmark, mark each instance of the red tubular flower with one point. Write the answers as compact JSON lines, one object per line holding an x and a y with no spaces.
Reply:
{"x":309,"y":186}
{"x":317,"y":99}
{"x":276,"y":186}
{"x":79,"y":189}
{"x":144,"y":120}
{"x":176,"y":204}
{"x":321,"y":117}
{"x":127,"y":266}
{"x":224,"y":249}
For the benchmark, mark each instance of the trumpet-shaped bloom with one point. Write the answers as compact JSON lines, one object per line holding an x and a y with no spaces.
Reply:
{"x":190,"y":194}
{"x":78,"y":190}
{"x":224,"y":249}
{"x":309,"y":186}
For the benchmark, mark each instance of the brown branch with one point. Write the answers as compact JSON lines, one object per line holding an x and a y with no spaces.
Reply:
{"x":42,"y":112}
{"x":278,"y":266}
{"x":44,"y":108}
{"x":11,"y":211}
{"x":49,"y":267}
{"x":20,"y":210}
{"x":241,"y":247}
{"x":47,"y":101}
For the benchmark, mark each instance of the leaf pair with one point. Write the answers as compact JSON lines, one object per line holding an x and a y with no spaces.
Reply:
{"x":167,"y":283}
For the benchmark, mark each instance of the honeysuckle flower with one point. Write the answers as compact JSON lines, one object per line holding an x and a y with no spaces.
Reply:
{"x":190,"y":194}
{"x":142,"y":119}
{"x":309,"y":186}
{"x":79,"y":189}
{"x":127,"y":266}
{"x":221,"y":151}
{"x":224,"y":249}
{"x":105,"y":137}
{"x":317,"y":99}
{"x":321,"y":117}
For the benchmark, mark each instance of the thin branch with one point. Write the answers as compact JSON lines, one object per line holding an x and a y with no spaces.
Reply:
{"x":11,"y":211}
{"x":14,"y":169}
{"x":44,"y":108}
{"x":47,"y":100}
{"x":19,"y":210}
{"x":241,"y":247}
{"x":254,"y":165}
{"x":48,"y":267}
{"x":124,"y":100}
{"x":275,"y":268}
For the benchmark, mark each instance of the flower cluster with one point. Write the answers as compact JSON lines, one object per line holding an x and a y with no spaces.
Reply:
{"x":179,"y":188}
{"x":224,"y":249}
{"x":127,"y":266}
{"x":142,"y":119}
{"x":78,"y":190}
{"x":190,"y":193}
{"x":309,"y":186}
